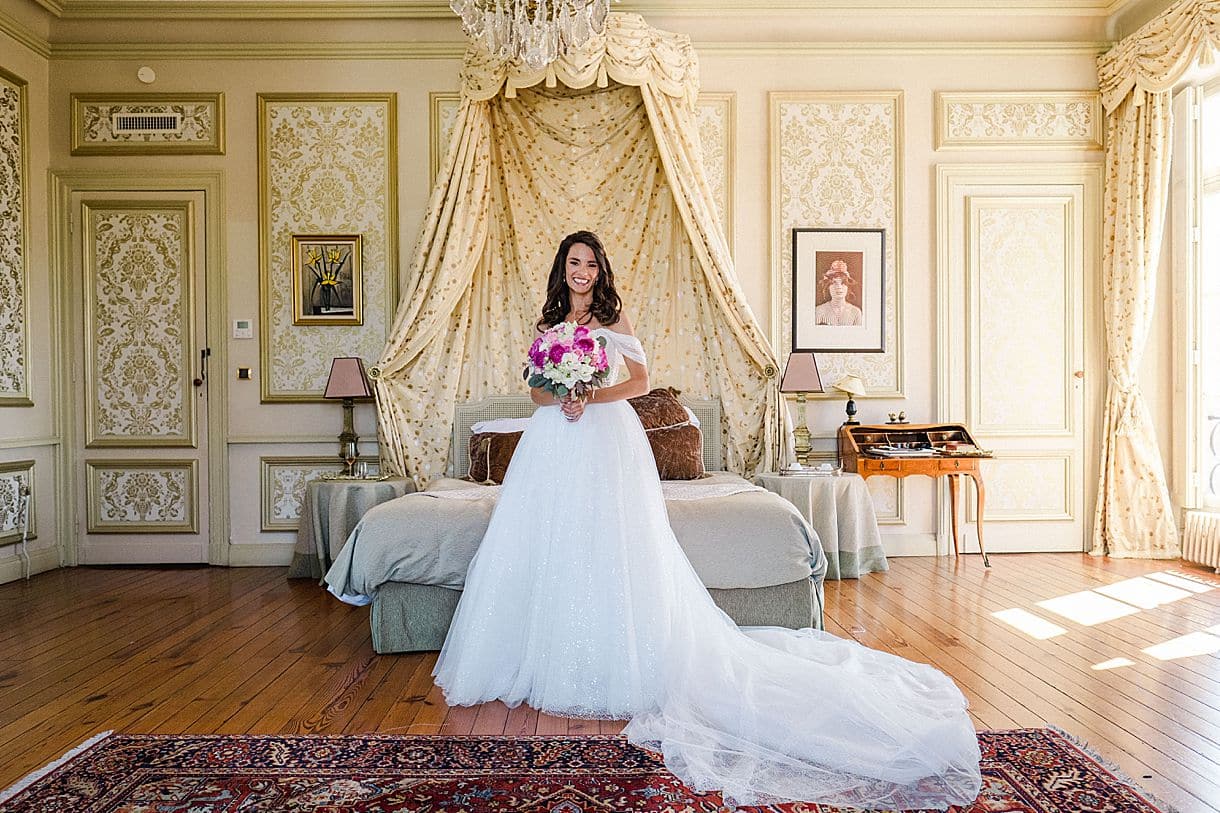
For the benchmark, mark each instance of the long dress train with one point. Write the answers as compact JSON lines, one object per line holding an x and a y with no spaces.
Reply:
{"x":581,"y":603}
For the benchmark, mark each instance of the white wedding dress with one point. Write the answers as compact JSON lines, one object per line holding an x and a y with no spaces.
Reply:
{"x":581,"y":603}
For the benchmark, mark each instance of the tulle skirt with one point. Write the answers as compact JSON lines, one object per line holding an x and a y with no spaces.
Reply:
{"x":581,"y":603}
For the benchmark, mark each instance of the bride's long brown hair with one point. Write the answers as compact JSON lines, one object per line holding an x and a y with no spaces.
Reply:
{"x":606,"y":302}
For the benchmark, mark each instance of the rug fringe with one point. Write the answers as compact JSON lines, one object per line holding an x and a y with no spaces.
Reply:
{"x":33,"y":777}
{"x":1117,"y":772}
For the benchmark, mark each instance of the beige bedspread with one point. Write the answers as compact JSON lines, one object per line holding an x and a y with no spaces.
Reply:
{"x":751,"y":538}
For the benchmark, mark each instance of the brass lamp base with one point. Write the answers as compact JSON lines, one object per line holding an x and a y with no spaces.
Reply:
{"x":349,"y":441}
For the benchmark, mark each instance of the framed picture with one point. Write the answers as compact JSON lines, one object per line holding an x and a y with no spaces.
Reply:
{"x":838,"y":290}
{"x":327,"y":286}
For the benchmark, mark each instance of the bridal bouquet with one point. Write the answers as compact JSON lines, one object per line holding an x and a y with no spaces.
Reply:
{"x":567,"y":360}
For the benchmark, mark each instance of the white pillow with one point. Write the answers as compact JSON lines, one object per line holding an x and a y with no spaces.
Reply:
{"x":499,"y":426}
{"x":691,"y":417}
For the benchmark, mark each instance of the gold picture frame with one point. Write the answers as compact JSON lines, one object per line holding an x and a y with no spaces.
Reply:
{"x":327,"y":279}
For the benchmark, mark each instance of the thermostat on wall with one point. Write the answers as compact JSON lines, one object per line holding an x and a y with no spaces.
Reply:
{"x":242,"y":329}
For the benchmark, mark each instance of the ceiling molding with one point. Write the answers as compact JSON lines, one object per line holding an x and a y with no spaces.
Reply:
{"x":455,"y":50}
{"x":24,"y":35}
{"x":254,"y":50}
{"x":439,"y":9}
{"x":53,"y":6}
{"x":906,"y":47}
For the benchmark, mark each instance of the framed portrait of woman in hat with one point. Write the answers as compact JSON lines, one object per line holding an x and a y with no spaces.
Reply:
{"x":838,"y":290}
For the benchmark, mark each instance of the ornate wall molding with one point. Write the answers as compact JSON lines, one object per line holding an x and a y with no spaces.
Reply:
{"x":1002,"y":120}
{"x":200,"y":121}
{"x":327,"y":165}
{"x":13,"y":473}
{"x":139,"y":323}
{"x":282,"y":482}
{"x":142,"y":497}
{"x":1020,"y":381}
{"x":717,"y":117}
{"x":14,"y":226}
{"x":836,"y":161}
{"x":1029,"y":486}
{"x":443,"y":108}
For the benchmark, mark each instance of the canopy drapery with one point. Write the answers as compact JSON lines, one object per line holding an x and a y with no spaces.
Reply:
{"x":603,"y":139}
{"x":1135,"y":516}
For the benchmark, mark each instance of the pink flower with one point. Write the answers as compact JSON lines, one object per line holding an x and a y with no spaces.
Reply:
{"x":557,"y":352}
{"x":581,"y":331}
{"x":585,"y":344}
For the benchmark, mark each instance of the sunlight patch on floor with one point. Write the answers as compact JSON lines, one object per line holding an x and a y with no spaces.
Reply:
{"x":1144,"y":593}
{"x":1192,"y":584}
{"x":1030,"y":624}
{"x":1088,"y":608}
{"x":1113,"y":663}
{"x":1187,"y":646}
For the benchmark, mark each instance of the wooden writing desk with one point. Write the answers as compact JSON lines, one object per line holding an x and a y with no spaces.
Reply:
{"x":861,"y":445}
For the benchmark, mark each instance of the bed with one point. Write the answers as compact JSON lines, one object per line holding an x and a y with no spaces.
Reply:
{"x":761,"y":561}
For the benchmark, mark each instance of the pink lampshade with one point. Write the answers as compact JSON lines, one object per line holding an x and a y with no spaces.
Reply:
{"x":347,"y":379}
{"x":801,"y":374}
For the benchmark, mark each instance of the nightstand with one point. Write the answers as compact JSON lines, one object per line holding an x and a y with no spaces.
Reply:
{"x":329,"y":512}
{"x":840,"y":509}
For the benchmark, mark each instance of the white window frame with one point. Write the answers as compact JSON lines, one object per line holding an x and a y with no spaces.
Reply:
{"x":1185,"y":237}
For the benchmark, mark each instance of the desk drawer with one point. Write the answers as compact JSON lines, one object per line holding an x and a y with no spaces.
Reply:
{"x":958,"y":464}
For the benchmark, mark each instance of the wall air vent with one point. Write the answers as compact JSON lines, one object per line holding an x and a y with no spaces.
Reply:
{"x":164,"y":123}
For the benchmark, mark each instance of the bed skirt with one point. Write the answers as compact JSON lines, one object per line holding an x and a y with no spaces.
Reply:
{"x":415,"y":617}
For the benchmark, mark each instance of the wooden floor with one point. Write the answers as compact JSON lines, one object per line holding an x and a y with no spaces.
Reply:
{"x":203,"y":650}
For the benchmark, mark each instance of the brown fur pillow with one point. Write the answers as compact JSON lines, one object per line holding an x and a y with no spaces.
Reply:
{"x":490,"y":453}
{"x":676,"y":443}
{"x":659,"y":408}
{"x":679,"y":452}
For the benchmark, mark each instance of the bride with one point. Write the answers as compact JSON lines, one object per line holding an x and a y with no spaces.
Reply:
{"x":581,"y":603}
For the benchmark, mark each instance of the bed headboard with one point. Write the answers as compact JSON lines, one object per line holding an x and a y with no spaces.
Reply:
{"x":520,"y":406}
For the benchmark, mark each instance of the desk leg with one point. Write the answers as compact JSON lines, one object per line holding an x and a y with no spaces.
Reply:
{"x":952,"y":478}
{"x":978,"y":509}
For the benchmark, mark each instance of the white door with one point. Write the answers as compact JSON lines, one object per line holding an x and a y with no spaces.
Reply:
{"x":139,"y":376}
{"x":1015,"y":251}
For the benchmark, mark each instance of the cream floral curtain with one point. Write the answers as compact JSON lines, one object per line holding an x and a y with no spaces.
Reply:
{"x":604,"y":139}
{"x":1135,"y":517}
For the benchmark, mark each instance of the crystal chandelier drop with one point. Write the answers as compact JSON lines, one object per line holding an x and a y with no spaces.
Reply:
{"x":537,"y":32}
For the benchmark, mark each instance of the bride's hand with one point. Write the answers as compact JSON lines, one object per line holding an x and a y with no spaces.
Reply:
{"x":573,"y":408}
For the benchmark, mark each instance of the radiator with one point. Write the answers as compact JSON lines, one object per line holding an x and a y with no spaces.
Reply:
{"x":1201,"y":542}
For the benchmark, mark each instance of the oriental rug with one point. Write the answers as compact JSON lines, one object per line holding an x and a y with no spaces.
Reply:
{"x":1024,"y":771}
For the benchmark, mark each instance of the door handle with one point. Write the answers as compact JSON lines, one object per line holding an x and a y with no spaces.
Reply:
{"x":203,"y":367}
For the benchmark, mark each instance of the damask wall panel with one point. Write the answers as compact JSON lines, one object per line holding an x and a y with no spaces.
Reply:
{"x":149,"y":497}
{"x":836,"y":162}
{"x":148,"y":123}
{"x":717,"y":117}
{"x":442,"y":116}
{"x":327,"y":165}
{"x":282,"y":483}
{"x":1021,"y":340}
{"x":139,"y":324}
{"x":1054,"y":120}
{"x":13,"y":475}
{"x":1027,"y":487}
{"x":14,"y":225}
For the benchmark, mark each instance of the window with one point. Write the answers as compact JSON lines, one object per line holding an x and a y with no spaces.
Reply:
{"x":1206,"y":476}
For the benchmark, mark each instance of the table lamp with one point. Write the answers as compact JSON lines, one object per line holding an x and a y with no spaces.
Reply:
{"x":801,"y":376}
{"x":853,"y":386}
{"x":347,"y":381}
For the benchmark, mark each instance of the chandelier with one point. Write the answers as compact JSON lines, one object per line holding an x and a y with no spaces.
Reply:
{"x":537,"y":32}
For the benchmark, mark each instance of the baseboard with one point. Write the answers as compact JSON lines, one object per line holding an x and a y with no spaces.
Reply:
{"x":261,"y":554}
{"x":41,"y":561}
{"x":908,"y":544}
